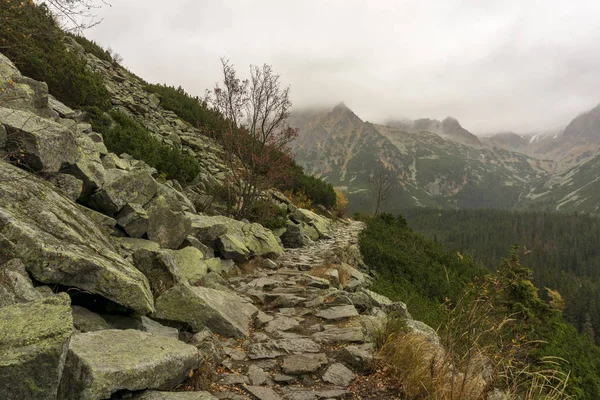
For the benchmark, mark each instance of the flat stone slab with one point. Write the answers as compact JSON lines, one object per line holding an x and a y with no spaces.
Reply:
{"x":276,"y":348}
{"x":281,"y":324}
{"x":303,"y":363}
{"x":101,"y":363}
{"x":339,"y":375}
{"x":263,"y":393}
{"x":334,"y":334}
{"x":338,"y":312}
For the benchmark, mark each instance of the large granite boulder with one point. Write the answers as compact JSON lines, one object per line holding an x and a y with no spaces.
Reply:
{"x":15,"y":284}
{"x":133,"y":219}
{"x":60,"y":244}
{"x":236,"y":240}
{"x":40,"y":144}
{"x":222,"y":312}
{"x":298,"y":235}
{"x":101,"y":363}
{"x":122,"y":187}
{"x":34,"y":338}
{"x":87,"y":167}
{"x":167,"y":224}
{"x":321,"y":224}
{"x":20,"y":92}
{"x":160,"y":267}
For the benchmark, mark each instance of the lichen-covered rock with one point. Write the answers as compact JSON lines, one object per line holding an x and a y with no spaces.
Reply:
{"x":60,"y":244}
{"x":133,"y":219}
{"x":159,"y":267}
{"x":191,"y":264}
{"x":167,"y":226}
{"x":68,"y":185}
{"x":40,"y":144}
{"x":22,"y":93}
{"x":321,"y":224}
{"x":34,"y":338}
{"x":298,"y":235}
{"x":222,"y":312}
{"x":15,"y":284}
{"x":87,"y":167}
{"x":235,"y":240}
{"x":122,"y":187}
{"x":101,"y":363}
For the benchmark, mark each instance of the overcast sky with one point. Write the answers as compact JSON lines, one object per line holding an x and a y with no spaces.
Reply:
{"x":494,"y":65}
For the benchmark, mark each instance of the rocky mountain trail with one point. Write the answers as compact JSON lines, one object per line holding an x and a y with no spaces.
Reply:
{"x":111,"y":278}
{"x":311,"y":336}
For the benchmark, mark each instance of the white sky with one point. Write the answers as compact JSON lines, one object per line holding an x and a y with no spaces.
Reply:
{"x":519,"y":65}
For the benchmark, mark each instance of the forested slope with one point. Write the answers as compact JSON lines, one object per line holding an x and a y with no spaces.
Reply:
{"x":562,"y":250}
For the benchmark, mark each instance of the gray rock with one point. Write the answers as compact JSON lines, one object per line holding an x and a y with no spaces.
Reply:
{"x":44,"y":144}
{"x":214,"y":281}
{"x":339,"y":375}
{"x":356,"y":356}
{"x":85,"y":320}
{"x":261,"y":319}
{"x":168,"y":227}
{"x":257,"y":376}
{"x":294,"y":236}
{"x":20,"y":92}
{"x":156,"y":395}
{"x":122,"y":187}
{"x":281,"y":324}
{"x":87,"y":167}
{"x":191,"y":265}
{"x":338,"y":313}
{"x":208,"y":252}
{"x":233,"y":379}
{"x":236,"y":240}
{"x":262,"y":393}
{"x":276,"y":348}
{"x":68,"y":185}
{"x":15,"y":284}
{"x":303,"y":363}
{"x":282,"y":378}
{"x":101,"y":363}
{"x":270,"y":264}
{"x":133,"y":219}
{"x":334,"y":334}
{"x":60,"y":244}
{"x":160,"y":269}
{"x":133,"y":244}
{"x":222,"y":312}
{"x":156,"y":328}
{"x":174,"y":196}
{"x":34,"y":338}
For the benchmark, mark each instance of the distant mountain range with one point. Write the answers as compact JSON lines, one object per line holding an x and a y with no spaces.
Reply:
{"x":441,"y":164}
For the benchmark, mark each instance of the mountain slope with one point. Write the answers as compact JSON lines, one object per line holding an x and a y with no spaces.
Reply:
{"x":429,"y":170}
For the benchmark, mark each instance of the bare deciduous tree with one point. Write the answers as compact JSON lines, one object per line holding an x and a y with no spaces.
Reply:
{"x":381,"y":186}
{"x":257,"y":134}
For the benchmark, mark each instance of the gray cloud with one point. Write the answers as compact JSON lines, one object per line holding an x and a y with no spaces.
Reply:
{"x":520,"y":65}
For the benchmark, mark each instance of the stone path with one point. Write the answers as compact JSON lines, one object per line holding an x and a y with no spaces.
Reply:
{"x":309,"y":340}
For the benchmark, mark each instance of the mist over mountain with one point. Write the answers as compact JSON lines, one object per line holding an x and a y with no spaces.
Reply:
{"x":439,"y":163}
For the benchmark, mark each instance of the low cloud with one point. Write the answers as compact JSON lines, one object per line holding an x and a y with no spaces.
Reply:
{"x":494,"y":65}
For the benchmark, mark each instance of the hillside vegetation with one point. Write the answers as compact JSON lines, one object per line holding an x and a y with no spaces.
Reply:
{"x":440,"y":286}
{"x":561,"y":249}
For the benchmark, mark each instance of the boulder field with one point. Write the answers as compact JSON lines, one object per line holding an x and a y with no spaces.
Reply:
{"x":114,"y":283}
